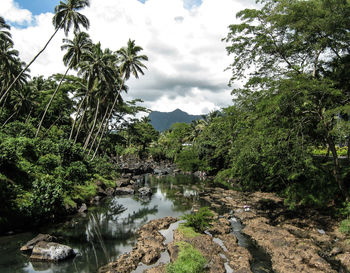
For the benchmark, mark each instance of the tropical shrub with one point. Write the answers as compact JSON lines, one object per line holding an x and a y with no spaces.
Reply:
{"x":199,"y":220}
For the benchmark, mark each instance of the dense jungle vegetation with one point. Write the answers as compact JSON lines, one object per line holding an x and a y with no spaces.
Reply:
{"x":287,"y":129}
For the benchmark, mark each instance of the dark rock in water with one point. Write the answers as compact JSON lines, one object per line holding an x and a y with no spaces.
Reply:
{"x":124,"y":191}
{"x":83,"y":208}
{"x":123,"y":182}
{"x":41,"y":237}
{"x":145,"y":191}
{"x":161,"y":171}
{"x":49,"y":251}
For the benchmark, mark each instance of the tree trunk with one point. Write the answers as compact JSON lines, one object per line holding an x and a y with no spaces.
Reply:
{"x":37,"y":55}
{"x":93,"y":126}
{"x":79,"y":127}
{"x":99,"y":130}
{"x":79,"y":107}
{"x":336,"y":169}
{"x":108,"y":118}
{"x":3,"y":125}
{"x":51,"y":99}
{"x":28,"y":116}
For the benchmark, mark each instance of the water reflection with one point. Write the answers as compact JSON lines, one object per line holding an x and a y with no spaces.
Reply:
{"x":107,"y":231}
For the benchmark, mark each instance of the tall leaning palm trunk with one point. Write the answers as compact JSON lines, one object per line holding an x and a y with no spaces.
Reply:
{"x":105,"y":126}
{"x":66,"y":15}
{"x":98,"y":131}
{"x":131,"y":63}
{"x":50,"y":101}
{"x":92,"y":127}
{"x":30,"y":63}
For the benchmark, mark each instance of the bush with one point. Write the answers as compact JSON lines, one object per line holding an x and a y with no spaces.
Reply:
{"x":199,"y":220}
{"x":190,"y":260}
{"x":77,"y":172}
{"x":47,"y":196}
{"x":345,"y":226}
{"x":188,"y":160}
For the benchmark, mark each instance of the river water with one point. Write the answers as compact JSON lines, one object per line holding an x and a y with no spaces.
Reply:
{"x":106,"y":231}
{"x":109,"y":230}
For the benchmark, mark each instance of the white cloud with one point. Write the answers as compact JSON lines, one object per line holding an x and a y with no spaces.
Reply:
{"x":186,"y":55}
{"x":13,"y":13}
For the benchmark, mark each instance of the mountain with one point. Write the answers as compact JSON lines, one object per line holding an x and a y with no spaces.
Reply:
{"x":162,"y":121}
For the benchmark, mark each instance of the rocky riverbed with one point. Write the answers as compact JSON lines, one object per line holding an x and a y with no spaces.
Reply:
{"x":295,"y":241}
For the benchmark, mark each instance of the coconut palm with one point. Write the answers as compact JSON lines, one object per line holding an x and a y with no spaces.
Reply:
{"x":76,"y":48}
{"x":66,"y":15}
{"x":5,"y":35}
{"x":98,"y":71}
{"x":130,"y":63}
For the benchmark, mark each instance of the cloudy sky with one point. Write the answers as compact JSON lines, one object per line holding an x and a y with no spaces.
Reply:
{"x":182,"y":39}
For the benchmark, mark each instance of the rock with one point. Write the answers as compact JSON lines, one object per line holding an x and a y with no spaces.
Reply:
{"x":161,"y":171}
{"x":335,"y":251}
{"x":41,"y":237}
{"x":123,"y":182}
{"x":148,"y":248}
{"x":83,"y":208}
{"x":49,"y":251}
{"x":173,"y":250}
{"x":100,"y":184}
{"x":110,"y":191}
{"x":101,"y":192}
{"x":145,"y":191}
{"x":221,"y":226}
{"x":344,"y":260}
{"x":124,"y":191}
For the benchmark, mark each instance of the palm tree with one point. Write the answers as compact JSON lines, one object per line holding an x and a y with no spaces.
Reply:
{"x":96,"y":68}
{"x":131,"y":63}
{"x":66,"y":15}
{"x":5,"y":35}
{"x":75,"y":50}
{"x":8,"y":57}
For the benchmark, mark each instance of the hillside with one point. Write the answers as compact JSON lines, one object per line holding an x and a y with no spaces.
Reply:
{"x":162,"y":121}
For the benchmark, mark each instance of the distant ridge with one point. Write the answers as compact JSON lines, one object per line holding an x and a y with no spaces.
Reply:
{"x":162,"y":121}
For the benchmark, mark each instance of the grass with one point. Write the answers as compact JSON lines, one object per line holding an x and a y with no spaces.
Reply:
{"x":188,"y":232}
{"x":190,"y":260}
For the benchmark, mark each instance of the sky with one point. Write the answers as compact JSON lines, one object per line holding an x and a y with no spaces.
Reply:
{"x":182,"y":39}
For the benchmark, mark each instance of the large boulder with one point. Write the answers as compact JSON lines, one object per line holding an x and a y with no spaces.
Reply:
{"x":49,"y":251}
{"x":41,"y":237}
{"x":145,"y":191}
{"x":123,"y":182}
{"x":124,"y":191}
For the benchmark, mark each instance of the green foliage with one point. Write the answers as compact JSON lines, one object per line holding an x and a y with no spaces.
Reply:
{"x":341,"y":151}
{"x":199,"y":220}
{"x":47,"y":196}
{"x":190,"y":260}
{"x":345,"y":226}
{"x":187,"y":231}
{"x":188,"y":160}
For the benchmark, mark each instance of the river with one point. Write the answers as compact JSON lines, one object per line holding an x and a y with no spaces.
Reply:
{"x":107,"y":230}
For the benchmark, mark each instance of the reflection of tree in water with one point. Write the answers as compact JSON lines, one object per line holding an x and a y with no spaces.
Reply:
{"x":178,"y":189}
{"x":142,"y":213}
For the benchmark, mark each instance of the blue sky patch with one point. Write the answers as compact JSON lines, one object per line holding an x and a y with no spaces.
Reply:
{"x":37,"y":7}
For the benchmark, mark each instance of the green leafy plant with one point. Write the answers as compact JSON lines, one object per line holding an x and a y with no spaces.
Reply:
{"x":199,"y":220}
{"x":190,"y":260}
{"x":345,"y":226}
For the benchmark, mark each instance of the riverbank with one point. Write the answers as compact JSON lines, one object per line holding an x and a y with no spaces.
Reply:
{"x":302,"y":240}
